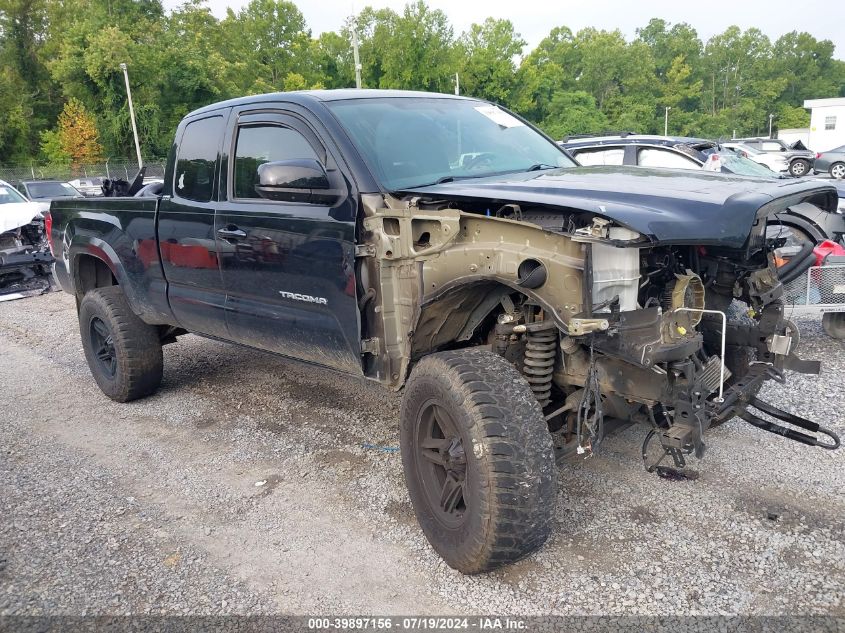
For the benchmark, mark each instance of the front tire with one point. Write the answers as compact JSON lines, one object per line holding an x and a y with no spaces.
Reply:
{"x":738,"y":358}
{"x":478,"y":459}
{"x":837,"y":170}
{"x":799,"y":167}
{"x":123,"y":352}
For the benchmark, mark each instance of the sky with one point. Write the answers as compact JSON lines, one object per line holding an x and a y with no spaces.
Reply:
{"x":533,"y":19}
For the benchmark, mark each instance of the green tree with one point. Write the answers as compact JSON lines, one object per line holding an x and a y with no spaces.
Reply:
{"x":420,"y":51}
{"x":272,"y":38}
{"x":487,"y":52}
{"x":573,"y":113}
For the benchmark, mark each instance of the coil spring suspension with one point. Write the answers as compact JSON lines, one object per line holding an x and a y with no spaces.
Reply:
{"x":539,"y":361}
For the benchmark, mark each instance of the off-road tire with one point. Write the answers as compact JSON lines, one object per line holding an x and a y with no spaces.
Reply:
{"x":510,"y":473}
{"x":799,"y":167}
{"x":834,"y":324}
{"x":136,"y":348}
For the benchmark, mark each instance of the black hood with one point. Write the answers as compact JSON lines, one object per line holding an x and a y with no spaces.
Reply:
{"x":667,"y":205}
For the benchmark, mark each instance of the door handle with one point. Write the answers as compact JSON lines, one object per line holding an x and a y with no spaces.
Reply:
{"x":231,"y":233}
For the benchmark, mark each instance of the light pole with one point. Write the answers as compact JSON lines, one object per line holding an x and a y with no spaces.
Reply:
{"x":132,"y":114}
{"x":771,"y":116}
{"x":666,"y":121}
{"x":355,"y":55}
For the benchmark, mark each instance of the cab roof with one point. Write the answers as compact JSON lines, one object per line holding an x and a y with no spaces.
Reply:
{"x":307,"y":97}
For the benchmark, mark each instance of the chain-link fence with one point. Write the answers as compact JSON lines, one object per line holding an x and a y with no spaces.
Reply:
{"x":112,"y":169}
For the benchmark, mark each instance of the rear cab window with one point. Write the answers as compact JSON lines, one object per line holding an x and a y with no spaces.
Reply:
{"x":196,"y":159}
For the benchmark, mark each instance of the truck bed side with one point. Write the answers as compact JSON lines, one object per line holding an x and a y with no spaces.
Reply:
{"x":102,"y":241}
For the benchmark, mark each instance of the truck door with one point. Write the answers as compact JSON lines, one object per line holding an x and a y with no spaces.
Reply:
{"x":287,"y":258}
{"x":187,"y":242}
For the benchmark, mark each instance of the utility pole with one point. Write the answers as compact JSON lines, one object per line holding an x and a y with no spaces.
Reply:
{"x":355,"y":55}
{"x":666,"y":121}
{"x":457,"y":85}
{"x":771,"y":116}
{"x":132,"y":114}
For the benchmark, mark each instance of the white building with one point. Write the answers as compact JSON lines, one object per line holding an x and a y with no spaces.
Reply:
{"x":827,"y":123}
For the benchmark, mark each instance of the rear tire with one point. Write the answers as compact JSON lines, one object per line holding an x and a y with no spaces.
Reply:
{"x":834,"y":324}
{"x":478,"y":459}
{"x":837,"y":170}
{"x":799,"y":167}
{"x":123,"y":352}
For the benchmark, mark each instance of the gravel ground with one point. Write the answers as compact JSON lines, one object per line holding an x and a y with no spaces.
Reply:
{"x":252,"y":484}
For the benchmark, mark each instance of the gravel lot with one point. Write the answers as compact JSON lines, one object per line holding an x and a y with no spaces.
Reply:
{"x":156,"y":507}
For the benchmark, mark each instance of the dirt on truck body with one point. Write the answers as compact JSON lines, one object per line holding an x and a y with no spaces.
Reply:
{"x":443,"y":246}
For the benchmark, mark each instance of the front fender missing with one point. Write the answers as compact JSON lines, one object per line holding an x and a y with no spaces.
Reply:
{"x":451,"y":259}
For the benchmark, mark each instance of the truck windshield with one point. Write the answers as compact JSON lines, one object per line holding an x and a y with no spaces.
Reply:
{"x":410,"y":142}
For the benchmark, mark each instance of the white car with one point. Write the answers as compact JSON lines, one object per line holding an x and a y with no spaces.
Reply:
{"x":88,"y":186}
{"x":773,"y":161}
{"x":15,"y":210}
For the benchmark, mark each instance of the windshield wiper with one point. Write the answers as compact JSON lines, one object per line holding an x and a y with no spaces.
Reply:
{"x":444,"y":179}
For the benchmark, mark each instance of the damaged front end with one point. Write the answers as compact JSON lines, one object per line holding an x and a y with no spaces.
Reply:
{"x":25,"y":258}
{"x":608,"y":326}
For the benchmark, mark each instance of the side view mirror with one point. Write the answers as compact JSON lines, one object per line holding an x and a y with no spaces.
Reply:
{"x":300,"y":180}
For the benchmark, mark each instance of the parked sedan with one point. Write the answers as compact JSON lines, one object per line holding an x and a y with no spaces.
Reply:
{"x":833,"y":162}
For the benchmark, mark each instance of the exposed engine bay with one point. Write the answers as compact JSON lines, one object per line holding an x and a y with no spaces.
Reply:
{"x":25,"y":259}
{"x":607,"y":326}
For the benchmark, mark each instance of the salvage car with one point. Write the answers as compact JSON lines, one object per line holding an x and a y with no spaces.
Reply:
{"x":799,"y":223}
{"x":443,"y":246}
{"x":776,"y":162}
{"x":25,"y":259}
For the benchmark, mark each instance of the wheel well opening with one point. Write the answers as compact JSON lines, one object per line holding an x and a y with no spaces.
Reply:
{"x":91,"y":273}
{"x":459,"y":317}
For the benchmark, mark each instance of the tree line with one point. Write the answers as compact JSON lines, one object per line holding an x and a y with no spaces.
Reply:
{"x":61,"y":78}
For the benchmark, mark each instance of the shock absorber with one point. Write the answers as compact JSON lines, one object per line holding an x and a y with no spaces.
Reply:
{"x":539,"y":361}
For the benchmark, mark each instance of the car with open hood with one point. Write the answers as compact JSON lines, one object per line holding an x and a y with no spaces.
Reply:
{"x":800,"y":159}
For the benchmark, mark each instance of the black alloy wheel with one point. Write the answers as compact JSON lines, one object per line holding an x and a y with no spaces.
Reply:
{"x":102,"y":343}
{"x":443,"y":464}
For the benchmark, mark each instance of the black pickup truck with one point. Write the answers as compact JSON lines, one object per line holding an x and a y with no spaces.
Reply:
{"x":444,"y":246}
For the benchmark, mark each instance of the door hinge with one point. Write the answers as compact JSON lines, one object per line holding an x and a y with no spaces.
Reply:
{"x":365,"y":250}
{"x":370,"y":346}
